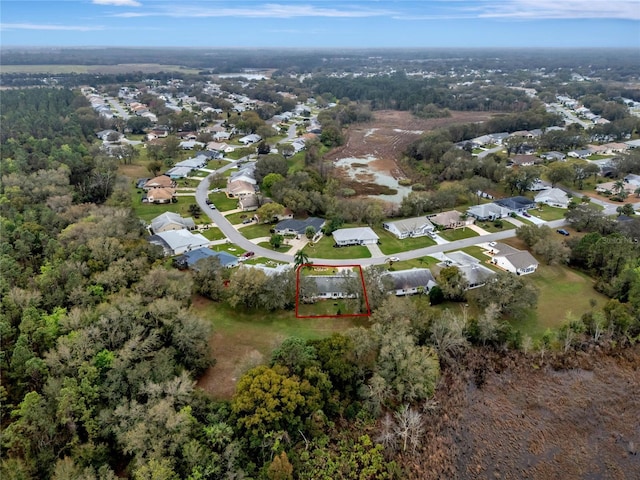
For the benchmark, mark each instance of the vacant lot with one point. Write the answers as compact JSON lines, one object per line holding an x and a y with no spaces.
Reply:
{"x":243,"y":339}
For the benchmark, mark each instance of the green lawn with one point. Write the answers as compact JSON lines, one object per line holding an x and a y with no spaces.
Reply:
{"x":457,"y":234}
{"x":231,"y":248}
{"x":547,"y":213}
{"x":213,"y":233}
{"x":238,"y":217}
{"x":148,"y":211}
{"x":256,"y":230}
{"x":563,"y":292}
{"x":422,"y":262}
{"x":324,"y":249}
{"x":283,"y":248}
{"x":490,"y":227}
{"x":216,"y":164}
{"x":222,"y":202}
{"x":330,"y":307}
{"x":389,"y":244}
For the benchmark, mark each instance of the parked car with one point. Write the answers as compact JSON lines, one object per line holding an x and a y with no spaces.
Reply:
{"x":526,"y":214}
{"x":393,"y":259}
{"x":215,"y":190}
{"x":247,"y":220}
{"x":212,"y":206}
{"x":246,"y":255}
{"x":562,"y":231}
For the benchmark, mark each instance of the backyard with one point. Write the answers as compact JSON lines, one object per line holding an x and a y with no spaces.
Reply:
{"x":243,"y":339}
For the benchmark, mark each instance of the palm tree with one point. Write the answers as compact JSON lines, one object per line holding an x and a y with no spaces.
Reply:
{"x":301,"y":258}
{"x":619,"y":186}
{"x":637,"y":192}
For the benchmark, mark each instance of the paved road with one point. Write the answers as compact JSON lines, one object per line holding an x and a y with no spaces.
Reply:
{"x":491,"y":150}
{"x":236,"y":237}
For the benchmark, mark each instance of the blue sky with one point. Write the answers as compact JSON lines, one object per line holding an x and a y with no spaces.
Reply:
{"x":321,"y":23}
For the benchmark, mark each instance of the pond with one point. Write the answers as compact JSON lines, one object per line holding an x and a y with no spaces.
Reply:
{"x":371,"y":170}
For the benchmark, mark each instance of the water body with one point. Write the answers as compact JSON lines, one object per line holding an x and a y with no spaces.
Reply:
{"x":363,"y":170}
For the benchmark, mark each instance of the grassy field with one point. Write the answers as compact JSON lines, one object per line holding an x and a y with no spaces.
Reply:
{"x":242,"y":339}
{"x":283,"y":248}
{"x":148,"y":211}
{"x":223,"y":203}
{"x":213,"y":233}
{"x":457,"y":234}
{"x":238,"y":217}
{"x":256,"y":230}
{"x":422,"y":262}
{"x":547,"y":213}
{"x":330,"y":307}
{"x":490,"y":227}
{"x":389,"y":244}
{"x":324,"y":249}
{"x":564,"y":293}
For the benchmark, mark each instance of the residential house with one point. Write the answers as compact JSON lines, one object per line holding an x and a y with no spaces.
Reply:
{"x":474,"y":273}
{"x":523,"y":160}
{"x":584,"y":153}
{"x":355,"y":236}
{"x":220,"y":147}
{"x":178,"y":172}
{"x":161,"y":181}
{"x":191,"y":144}
{"x":199,"y":161}
{"x":191,"y":258}
{"x":633,"y":180}
{"x":553,"y":156}
{"x":249,"y":139}
{"x":450,"y":219}
{"x":240,"y":189}
{"x":516,"y":204}
{"x":487,"y":212}
{"x":221,"y":136}
{"x":298,"y":227}
{"x":330,"y":286}
{"x":171,"y":221}
{"x":513,"y":260}
{"x":410,"y":227}
{"x":177,"y":242}
{"x":160,"y":195}
{"x":269,"y":271}
{"x":410,"y":282}
{"x":249,"y":203}
{"x":553,"y":197}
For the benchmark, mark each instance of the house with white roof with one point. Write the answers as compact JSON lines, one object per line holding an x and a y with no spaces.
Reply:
{"x":410,"y":227}
{"x":475,"y":274}
{"x":488,"y":212}
{"x":249,"y":139}
{"x":553,"y":197}
{"x":177,"y":242}
{"x":355,"y":236}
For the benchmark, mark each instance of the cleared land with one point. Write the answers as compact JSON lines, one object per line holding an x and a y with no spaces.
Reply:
{"x":386,"y":138}
{"x":243,"y":339}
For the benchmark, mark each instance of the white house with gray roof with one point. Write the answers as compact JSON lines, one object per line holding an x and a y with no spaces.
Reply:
{"x":513,"y":260}
{"x":410,"y":227}
{"x":553,"y":197}
{"x":168,"y":221}
{"x":488,"y":211}
{"x":355,"y":236}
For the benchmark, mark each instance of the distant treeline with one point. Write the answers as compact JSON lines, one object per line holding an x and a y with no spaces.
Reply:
{"x":403,"y":93}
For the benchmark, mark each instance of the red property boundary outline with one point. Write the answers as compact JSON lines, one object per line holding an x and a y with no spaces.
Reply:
{"x":364,"y":291}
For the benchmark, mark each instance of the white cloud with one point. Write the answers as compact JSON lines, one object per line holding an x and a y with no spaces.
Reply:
{"x":270,"y":10}
{"x":118,"y":3}
{"x":524,"y":10}
{"x":562,"y":9}
{"x":39,"y":26}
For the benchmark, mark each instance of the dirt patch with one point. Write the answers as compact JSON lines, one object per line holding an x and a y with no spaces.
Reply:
{"x":386,"y":138}
{"x":502,"y":418}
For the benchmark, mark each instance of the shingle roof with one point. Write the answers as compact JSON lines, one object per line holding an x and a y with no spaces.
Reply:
{"x":299,"y":226}
{"x":356,"y":233}
{"x":194,"y":256}
{"x":416,"y":277}
{"x":171,"y":217}
{"x":411,"y":224}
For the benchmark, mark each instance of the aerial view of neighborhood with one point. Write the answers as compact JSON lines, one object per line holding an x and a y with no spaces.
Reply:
{"x":308,"y":262}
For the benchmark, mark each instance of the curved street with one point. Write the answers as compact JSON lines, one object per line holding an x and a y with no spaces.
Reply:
{"x":237,"y":238}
